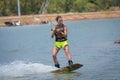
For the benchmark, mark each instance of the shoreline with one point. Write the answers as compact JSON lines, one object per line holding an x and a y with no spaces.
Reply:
{"x":43,"y":19}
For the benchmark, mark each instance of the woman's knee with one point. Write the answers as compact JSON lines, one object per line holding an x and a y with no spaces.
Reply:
{"x":53,"y":55}
{"x":55,"y":51}
{"x":66,"y":49}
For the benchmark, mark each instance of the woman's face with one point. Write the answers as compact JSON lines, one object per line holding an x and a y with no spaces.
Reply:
{"x":60,"y":21}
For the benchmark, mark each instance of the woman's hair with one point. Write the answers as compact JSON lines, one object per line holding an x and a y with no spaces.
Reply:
{"x":58,"y":18}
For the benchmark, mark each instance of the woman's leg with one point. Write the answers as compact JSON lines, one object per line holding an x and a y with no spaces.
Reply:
{"x":66,"y":49}
{"x":54,"y":54}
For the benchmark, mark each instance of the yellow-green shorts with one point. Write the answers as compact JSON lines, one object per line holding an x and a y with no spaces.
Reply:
{"x":61,"y":44}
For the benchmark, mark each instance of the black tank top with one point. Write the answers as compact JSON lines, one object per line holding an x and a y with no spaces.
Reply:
{"x":58,"y":35}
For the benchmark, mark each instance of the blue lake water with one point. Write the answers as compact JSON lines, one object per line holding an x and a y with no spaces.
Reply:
{"x":25,"y":52}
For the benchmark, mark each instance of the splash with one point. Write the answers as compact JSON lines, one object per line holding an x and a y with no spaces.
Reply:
{"x":20,"y":68}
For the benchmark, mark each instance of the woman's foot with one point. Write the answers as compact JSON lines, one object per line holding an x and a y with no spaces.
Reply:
{"x":70,"y":62}
{"x":57,"y":65}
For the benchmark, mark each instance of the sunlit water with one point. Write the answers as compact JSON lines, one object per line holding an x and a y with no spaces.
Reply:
{"x":25,"y":52}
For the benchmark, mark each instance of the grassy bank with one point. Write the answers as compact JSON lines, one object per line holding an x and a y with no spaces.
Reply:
{"x":40,"y":19}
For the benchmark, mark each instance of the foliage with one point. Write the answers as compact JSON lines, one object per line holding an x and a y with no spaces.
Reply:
{"x":9,"y":7}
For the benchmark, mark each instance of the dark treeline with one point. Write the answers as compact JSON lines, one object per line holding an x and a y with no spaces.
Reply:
{"x":9,"y":7}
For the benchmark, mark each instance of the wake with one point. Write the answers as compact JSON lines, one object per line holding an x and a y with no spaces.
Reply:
{"x":20,"y":68}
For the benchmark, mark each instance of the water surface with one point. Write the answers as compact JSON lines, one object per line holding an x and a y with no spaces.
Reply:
{"x":25,"y":52}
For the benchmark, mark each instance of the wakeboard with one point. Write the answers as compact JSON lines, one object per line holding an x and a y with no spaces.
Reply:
{"x":68,"y":69}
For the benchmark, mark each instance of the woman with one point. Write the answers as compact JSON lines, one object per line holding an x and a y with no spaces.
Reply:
{"x":61,"y":42}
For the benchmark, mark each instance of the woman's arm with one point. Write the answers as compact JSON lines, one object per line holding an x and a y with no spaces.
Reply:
{"x":65,"y":33}
{"x":53,"y":33}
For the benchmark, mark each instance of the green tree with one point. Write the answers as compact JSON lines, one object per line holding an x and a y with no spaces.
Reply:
{"x":9,"y":7}
{"x":90,"y":7}
{"x":79,"y":5}
{"x":56,"y":6}
{"x":68,"y":5}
